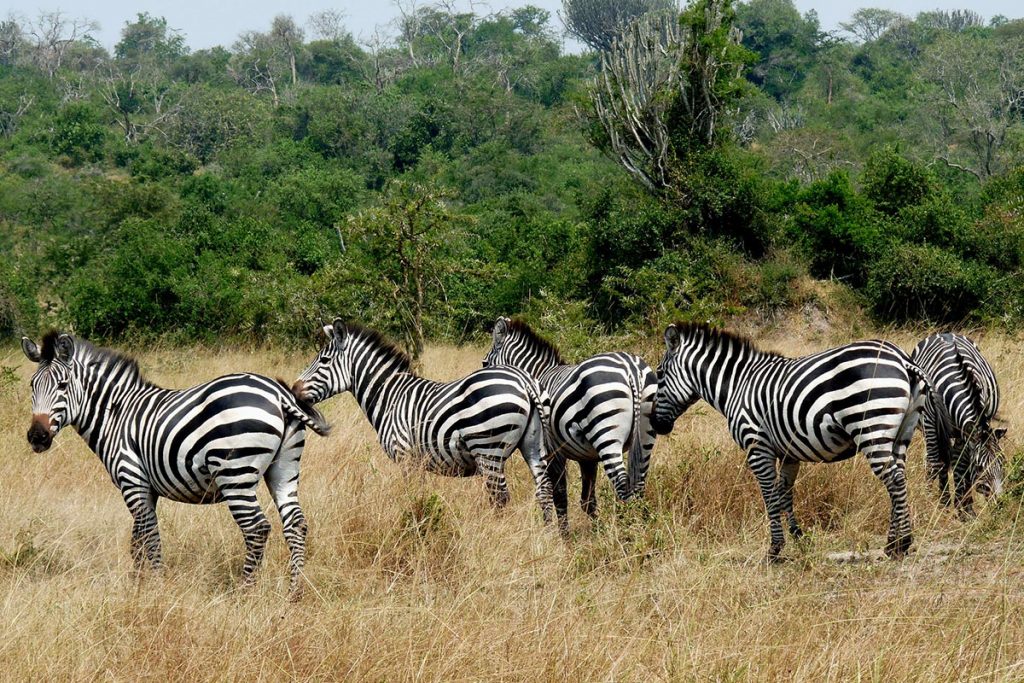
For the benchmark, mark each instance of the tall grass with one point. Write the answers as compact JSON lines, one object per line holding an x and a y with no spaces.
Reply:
{"x":414,"y":577}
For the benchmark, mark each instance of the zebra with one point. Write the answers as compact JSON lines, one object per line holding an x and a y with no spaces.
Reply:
{"x":957,"y":418}
{"x":599,"y":408}
{"x":865,"y":396}
{"x":207,"y":444}
{"x":458,"y":428}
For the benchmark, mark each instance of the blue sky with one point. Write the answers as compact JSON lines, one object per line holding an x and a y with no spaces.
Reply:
{"x":218,"y":22}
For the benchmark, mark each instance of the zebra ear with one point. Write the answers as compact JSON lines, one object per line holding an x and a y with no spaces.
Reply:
{"x":31,"y":350}
{"x":500,"y":330}
{"x":65,"y":347}
{"x":671,"y":338}
{"x":339,"y":330}
{"x":999,"y":432}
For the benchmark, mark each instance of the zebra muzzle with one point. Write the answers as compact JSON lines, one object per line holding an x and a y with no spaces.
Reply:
{"x":39,"y":435}
{"x":661,"y":427}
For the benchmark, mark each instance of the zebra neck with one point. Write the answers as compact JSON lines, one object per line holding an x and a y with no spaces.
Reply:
{"x":371,"y":377}
{"x":720,"y":370}
{"x":113,"y":393}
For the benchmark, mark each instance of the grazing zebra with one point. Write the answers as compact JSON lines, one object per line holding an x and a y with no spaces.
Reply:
{"x":826,"y":407}
{"x":957,"y":417}
{"x":599,"y":408}
{"x":456,"y":428}
{"x":207,"y":444}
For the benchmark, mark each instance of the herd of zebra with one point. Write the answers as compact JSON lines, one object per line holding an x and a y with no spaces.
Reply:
{"x":215,"y":441}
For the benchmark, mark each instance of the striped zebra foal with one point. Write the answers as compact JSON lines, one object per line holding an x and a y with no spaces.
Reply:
{"x":957,"y":418}
{"x":826,"y":407}
{"x":599,"y":408}
{"x":459,"y":429}
{"x":211,"y":443}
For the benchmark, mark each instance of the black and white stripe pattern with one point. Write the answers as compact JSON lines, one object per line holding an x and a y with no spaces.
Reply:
{"x":863,"y":397}
{"x":211,"y":443}
{"x":957,"y":418}
{"x":460,"y":428}
{"x":600,"y":407}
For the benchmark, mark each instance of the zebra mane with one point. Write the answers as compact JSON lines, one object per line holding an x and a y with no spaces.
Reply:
{"x":378,"y":341}
{"x":688,"y":330}
{"x":49,"y":350}
{"x":534,"y":339}
{"x":85,"y":349}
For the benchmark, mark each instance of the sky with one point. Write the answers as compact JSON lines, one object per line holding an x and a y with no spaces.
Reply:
{"x":206,"y":23}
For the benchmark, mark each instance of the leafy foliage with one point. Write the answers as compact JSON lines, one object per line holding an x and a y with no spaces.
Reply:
{"x":430,"y":181}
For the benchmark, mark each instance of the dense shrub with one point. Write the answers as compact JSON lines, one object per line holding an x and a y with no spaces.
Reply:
{"x":914,"y":282}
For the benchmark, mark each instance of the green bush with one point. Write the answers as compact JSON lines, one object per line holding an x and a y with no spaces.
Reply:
{"x":838,"y":233}
{"x":77,"y":133}
{"x":914,"y":282}
{"x":893,"y":182}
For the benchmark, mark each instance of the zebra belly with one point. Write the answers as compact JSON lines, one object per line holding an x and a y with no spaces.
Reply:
{"x":192,"y":477}
{"x":445,"y":462}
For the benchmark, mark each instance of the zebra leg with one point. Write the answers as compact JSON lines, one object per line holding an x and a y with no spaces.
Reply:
{"x":890,"y":470}
{"x":559,"y":491}
{"x":787,"y":477}
{"x":588,"y":487}
{"x":763,"y":464}
{"x":937,"y":456}
{"x":963,"y":496}
{"x":145,"y":544}
{"x":282,"y":478}
{"x":610,"y":455}
{"x":237,"y":484}
{"x":492,"y":467}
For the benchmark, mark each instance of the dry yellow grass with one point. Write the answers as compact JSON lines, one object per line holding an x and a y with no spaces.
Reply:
{"x":414,"y":577}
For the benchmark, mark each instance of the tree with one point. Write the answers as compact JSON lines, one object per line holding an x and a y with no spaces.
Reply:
{"x":871,"y":23}
{"x":665,"y":87}
{"x":53,"y":34}
{"x":599,"y":22}
{"x":785,"y":41}
{"x":12,"y":40}
{"x":288,"y":38}
{"x":973,"y":95}
{"x":137,"y":81}
{"x":406,"y":243}
{"x":329,"y":25}
{"x":148,"y":40}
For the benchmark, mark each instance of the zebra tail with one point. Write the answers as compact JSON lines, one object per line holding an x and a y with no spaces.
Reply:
{"x":920,"y":388}
{"x":541,"y":400}
{"x":634,"y":388}
{"x":303,"y":410}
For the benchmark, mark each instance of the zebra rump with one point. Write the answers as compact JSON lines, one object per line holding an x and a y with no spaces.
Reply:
{"x":600,"y":407}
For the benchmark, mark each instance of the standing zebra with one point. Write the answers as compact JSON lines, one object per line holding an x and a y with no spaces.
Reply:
{"x":599,"y":408}
{"x":456,"y":428}
{"x":207,"y":444}
{"x":957,"y":416}
{"x":826,"y":407}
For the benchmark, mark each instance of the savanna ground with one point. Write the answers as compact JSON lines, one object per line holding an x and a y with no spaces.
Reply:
{"x":414,"y":577}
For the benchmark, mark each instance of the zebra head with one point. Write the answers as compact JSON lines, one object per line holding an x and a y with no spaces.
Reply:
{"x":57,"y":389}
{"x":988,"y":463}
{"x":330,"y":372}
{"x":500,"y":335}
{"x":677,"y":386}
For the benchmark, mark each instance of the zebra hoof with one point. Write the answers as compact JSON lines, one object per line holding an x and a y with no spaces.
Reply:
{"x":295,"y":593}
{"x":897,"y":549}
{"x":774,"y":554}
